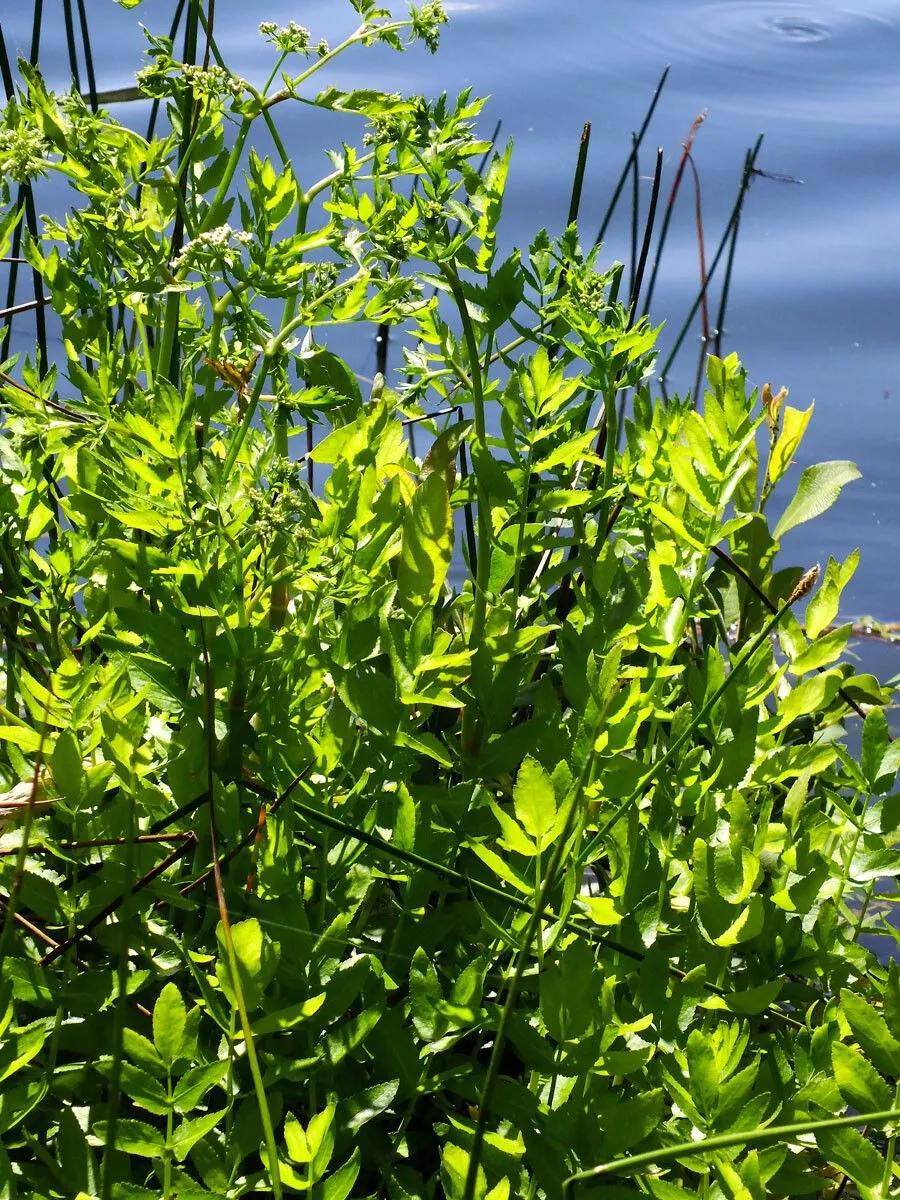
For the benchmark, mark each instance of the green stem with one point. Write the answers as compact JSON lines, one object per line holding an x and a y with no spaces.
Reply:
{"x":167,"y":1153}
{"x":890,"y":1151}
{"x":724,"y":1141}
{"x":479,"y":446}
{"x":366,"y":30}
{"x":259,"y":1086}
{"x":272,"y":349}
{"x":515,"y":983}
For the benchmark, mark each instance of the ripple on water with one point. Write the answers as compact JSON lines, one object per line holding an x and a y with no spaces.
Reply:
{"x":798,"y":29}
{"x":831,"y":60}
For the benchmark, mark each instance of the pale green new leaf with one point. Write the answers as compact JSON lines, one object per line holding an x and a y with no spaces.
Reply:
{"x":819,"y":487}
{"x":169,"y":1017}
{"x":534,"y":799}
{"x":257,"y":960}
{"x":426,"y":545}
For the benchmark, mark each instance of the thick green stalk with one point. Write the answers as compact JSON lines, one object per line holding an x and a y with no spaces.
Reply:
{"x":890,"y":1151}
{"x":724,"y":1141}
{"x":259,"y":1087}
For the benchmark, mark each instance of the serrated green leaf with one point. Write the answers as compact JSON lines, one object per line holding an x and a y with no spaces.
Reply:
{"x":195,"y":1083}
{"x":632,"y":1120}
{"x":133,"y":1137}
{"x":189,"y":1133}
{"x":66,"y":765}
{"x":848,"y":1150}
{"x":875,"y":740}
{"x":142,"y":1052}
{"x":871,"y":1031}
{"x":704,"y":1073}
{"x":892,"y":999}
{"x":340,"y":1183}
{"x":169,"y":1018}
{"x":858,"y":1081}
{"x":753,"y":1001}
{"x":534,"y":800}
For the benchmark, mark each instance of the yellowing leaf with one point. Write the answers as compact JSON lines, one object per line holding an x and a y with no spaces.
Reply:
{"x":795,"y":423}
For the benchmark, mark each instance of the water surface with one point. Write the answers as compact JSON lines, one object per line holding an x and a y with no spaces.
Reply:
{"x":816,"y":297}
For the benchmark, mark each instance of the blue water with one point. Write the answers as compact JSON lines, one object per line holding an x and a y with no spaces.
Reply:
{"x":816,"y":298}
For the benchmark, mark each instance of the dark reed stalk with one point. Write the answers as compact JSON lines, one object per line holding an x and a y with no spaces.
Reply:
{"x":701,"y":247}
{"x":701,"y":251}
{"x":36,"y":22}
{"x":24,"y":198}
{"x":9,"y":86}
{"x":735,"y":214}
{"x":69,"y":25}
{"x":648,"y":233}
{"x":88,"y":56}
{"x":25,"y":306}
{"x":209,"y":28}
{"x":135,"y":94}
{"x":578,"y":177}
{"x":670,"y":206}
{"x":173,"y":32}
{"x":635,"y":212}
{"x":191,"y":30}
{"x":611,"y":208}
{"x":719,"y":331}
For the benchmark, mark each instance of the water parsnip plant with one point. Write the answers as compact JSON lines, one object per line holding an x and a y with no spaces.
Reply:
{"x":322,"y":696}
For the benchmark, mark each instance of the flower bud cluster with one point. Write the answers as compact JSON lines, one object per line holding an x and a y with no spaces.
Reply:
{"x":290,"y":39}
{"x":222,"y":244}
{"x":23,"y":152}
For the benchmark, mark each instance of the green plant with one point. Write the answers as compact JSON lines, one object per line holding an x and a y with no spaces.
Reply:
{"x":333,"y":736}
